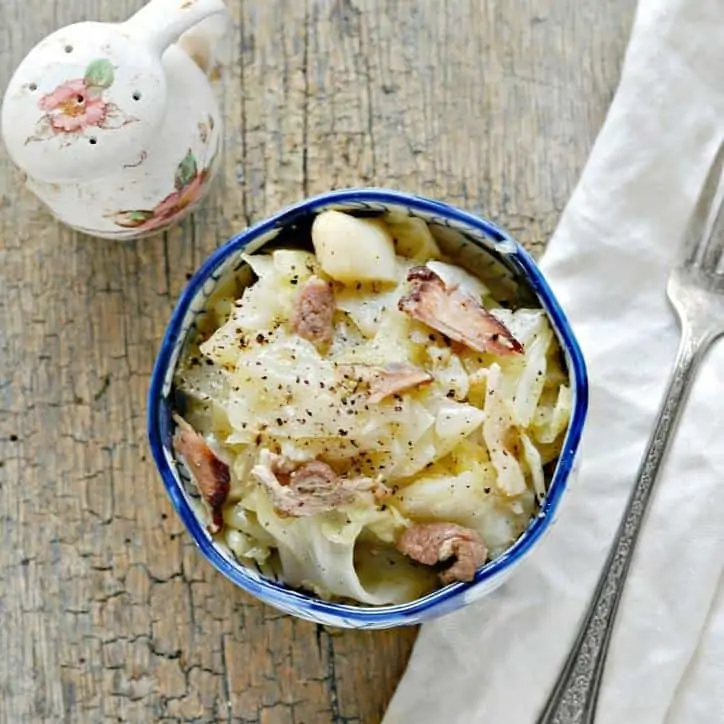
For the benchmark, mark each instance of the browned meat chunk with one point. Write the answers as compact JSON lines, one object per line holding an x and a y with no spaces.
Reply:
{"x":313,"y":476}
{"x":312,"y":487}
{"x":210,"y":474}
{"x":386,"y":381}
{"x":456,"y":314}
{"x":431,"y":543}
{"x":313,"y":311}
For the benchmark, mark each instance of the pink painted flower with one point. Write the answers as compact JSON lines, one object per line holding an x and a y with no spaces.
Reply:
{"x":189,"y":183}
{"x":78,"y":104}
{"x":72,"y":107}
{"x":175,"y":203}
{"x":179,"y":200}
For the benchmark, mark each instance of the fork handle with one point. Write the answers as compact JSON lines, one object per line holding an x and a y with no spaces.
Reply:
{"x":575,"y":694}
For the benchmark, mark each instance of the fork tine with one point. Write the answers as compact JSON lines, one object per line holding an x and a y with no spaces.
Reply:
{"x":713,"y":243}
{"x":704,"y":219}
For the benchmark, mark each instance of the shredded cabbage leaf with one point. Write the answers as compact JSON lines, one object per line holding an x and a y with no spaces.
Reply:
{"x":468,"y":445}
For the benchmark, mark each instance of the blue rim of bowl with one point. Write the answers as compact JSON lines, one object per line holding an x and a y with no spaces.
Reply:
{"x":399,"y":614}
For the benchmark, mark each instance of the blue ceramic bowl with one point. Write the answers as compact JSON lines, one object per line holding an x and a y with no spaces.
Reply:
{"x":478,"y":245}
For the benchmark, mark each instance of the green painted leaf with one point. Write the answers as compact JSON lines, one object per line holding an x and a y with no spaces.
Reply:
{"x":99,"y":74}
{"x":132,"y":219}
{"x":186,"y":171}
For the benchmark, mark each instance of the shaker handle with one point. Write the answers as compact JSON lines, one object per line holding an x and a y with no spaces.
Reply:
{"x":162,"y":22}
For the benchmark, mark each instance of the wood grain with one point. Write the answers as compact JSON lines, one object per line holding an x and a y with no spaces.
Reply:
{"x":107,"y":612}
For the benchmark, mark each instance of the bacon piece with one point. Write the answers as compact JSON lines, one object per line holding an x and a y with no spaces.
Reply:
{"x":210,"y":474}
{"x":456,"y":314}
{"x":314,"y":311}
{"x":432,"y":543}
{"x":312,"y":487}
{"x":386,"y":381}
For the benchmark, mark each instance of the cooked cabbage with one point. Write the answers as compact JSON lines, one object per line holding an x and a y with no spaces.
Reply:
{"x":454,"y":435}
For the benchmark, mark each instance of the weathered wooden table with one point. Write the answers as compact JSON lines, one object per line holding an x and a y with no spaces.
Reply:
{"x":107,"y":612}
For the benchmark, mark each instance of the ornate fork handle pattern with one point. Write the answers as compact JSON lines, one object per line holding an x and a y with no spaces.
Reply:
{"x":574,"y":696}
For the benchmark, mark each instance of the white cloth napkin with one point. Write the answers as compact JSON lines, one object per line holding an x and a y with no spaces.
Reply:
{"x":494,"y":662}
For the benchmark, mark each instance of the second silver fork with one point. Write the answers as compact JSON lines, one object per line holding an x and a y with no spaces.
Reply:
{"x":696,"y":291}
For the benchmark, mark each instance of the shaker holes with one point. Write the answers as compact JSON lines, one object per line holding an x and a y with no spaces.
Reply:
{"x":68,"y":48}
{"x":33,"y":86}
{"x":92,"y":140}
{"x":136,"y":95}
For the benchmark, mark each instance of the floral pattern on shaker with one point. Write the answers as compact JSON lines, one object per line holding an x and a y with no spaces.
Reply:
{"x":79,"y":104}
{"x":189,"y":183}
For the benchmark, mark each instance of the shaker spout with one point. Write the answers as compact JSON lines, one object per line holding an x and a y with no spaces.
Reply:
{"x":162,"y":22}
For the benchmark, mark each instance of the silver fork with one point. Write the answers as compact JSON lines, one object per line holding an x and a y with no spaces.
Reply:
{"x":696,"y":290}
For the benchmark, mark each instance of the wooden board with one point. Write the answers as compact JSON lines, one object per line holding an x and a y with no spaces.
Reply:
{"x":107,"y":612}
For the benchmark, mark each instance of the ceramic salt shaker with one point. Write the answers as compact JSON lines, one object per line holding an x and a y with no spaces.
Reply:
{"x":115,"y":125}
